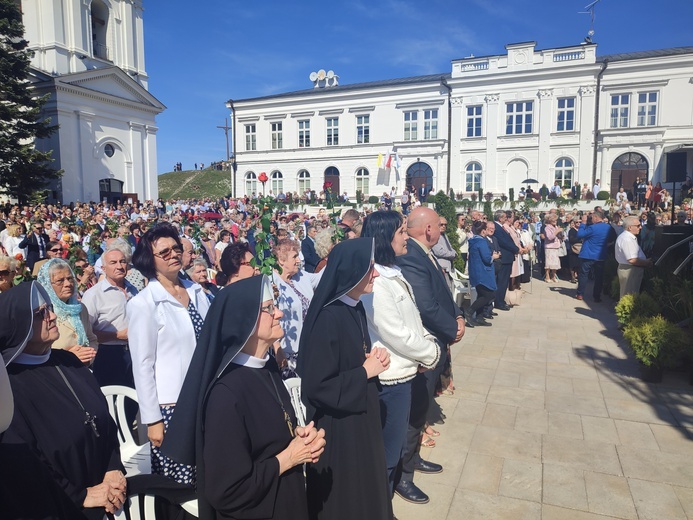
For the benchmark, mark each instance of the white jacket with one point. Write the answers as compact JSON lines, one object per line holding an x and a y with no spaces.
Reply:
{"x":162,"y":342}
{"x":394,"y":322}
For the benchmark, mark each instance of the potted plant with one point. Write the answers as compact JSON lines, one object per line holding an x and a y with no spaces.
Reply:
{"x":656,"y":343}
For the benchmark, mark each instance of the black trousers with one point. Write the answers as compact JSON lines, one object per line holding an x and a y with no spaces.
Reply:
{"x":502,"y":282}
{"x":484,"y":296}
{"x":422,"y":392}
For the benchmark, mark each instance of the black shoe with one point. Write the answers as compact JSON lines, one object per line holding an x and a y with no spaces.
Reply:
{"x":481,"y":322}
{"x":411,"y":493}
{"x":503,"y":307}
{"x":469,"y":323}
{"x":489,"y":316}
{"x":424,"y":466}
{"x":493,"y":313}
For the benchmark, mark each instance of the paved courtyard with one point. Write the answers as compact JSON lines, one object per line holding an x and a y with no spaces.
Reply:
{"x":550,"y":421}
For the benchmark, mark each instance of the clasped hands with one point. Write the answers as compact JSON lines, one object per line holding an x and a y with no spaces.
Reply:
{"x":377,"y":361}
{"x":110,"y":494}
{"x":306,"y":446}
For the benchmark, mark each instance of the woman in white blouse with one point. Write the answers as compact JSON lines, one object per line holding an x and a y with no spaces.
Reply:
{"x":296,"y":288}
{"x":165,"y":320}
{"x":394,"y":322}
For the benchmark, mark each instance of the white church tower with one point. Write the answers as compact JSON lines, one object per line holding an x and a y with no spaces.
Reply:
{"x":89,"y":56}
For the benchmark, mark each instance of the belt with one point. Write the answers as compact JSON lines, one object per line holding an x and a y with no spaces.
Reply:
{"x":121,"y":345}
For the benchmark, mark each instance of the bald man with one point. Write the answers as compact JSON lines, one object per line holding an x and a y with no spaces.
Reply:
{"x":444,"y":319}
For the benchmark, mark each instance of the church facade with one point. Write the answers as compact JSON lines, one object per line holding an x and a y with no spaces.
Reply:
{"x":492,"y":122}
{"x":89,"y":57}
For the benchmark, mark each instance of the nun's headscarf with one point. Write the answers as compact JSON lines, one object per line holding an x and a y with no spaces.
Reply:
{"x":17,"y":307}
{"x":231,"y":321}
{"x":348,"y":263}
{"x":69,"y":311}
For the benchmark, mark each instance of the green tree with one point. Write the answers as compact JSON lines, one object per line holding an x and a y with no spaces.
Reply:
{"x":24,"y":170}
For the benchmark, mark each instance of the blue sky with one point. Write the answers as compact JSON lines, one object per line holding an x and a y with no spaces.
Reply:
{"x":200,"y":54}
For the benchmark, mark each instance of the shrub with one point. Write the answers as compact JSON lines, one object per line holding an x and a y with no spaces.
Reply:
{"x":488,"y":196}
{"x":373,"y":199}
{"x":511,"y":194}
{"x":633,"y":306}
{"x":359,"y":197}
{"x":603,"y":195}
{"x":656,"y":341}
{"x":431,"y":198}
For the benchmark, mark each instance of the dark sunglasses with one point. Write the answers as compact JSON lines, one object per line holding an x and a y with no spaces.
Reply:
{"x":60,"y":250}
{"x":44,"y":312}
{"x":5,"y":272}
{"x":167,"y":253}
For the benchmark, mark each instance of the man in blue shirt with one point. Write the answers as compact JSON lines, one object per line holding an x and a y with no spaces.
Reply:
{"x":596,"y":234}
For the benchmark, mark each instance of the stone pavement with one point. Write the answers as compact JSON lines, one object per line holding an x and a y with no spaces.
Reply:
{"x":550,"y":421}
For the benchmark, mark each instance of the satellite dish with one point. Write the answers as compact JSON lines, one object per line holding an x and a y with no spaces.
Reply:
{"x":313,"y":76}
{"x":330,"y":74}
{"x":321,"y":74}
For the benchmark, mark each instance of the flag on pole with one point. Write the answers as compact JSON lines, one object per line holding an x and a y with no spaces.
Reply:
{"x":380,"y":160}
{"x":388,"y":161}
{"x":398,"y":163}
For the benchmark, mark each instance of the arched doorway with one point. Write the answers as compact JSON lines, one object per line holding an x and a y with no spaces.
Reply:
{"x":420,"y":173}
{"x":111,"y":191}
{"x":625,"y":169}
{"x":332,"y":175}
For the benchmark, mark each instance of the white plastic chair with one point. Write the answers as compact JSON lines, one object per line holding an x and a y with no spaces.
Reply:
{"x":136,"y":459}
{"x":463,"y":289}
{"x":293,"y":385}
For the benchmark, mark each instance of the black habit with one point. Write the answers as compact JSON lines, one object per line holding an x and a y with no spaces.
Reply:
{"x":49,"y":421}
{"x":350,"y":479}
{"x":244,"y":431}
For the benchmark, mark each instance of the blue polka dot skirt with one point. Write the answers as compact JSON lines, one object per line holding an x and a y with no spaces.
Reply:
{"x":162,"y":465}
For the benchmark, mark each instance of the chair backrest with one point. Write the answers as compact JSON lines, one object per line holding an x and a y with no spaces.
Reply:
{"x":115,"y":397}
{"x":293,"y":385}
{"x":136,"y":507}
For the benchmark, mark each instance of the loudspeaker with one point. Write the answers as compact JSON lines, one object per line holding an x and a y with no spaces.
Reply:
{"x":676,"y":166}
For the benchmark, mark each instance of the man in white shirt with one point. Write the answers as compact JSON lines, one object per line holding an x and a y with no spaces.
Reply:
{"x":631,"y":259}
{"x":105,"y":303}
{"x":621,"y":196}
{"x":596,"y":188}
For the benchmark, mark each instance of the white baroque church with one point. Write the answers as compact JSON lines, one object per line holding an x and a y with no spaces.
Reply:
{"x":89,"y":56}
{"x":563,"y":114}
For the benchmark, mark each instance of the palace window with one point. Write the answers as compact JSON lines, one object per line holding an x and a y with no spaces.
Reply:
{"x":362,"y":177}
{"x":474,"y":121}
{"x":277,"y":136}
{"x":277,"y":182}
{"x":563,"y":172}
{"x":332,"y":131}
{"x":303,"y":182}
{"x":250,"y":138}
{"x":250,"y":183}
{"x":363,"y":129}
{"x":566,"y":115}
{"x":430,"y":123}
{"x":647,"y":108}
{"x":620,"y":107}
{"x":304,"y":133}
{"x":410,"y":126}
{"x":472,"y":177}
{"x":518,"y":118}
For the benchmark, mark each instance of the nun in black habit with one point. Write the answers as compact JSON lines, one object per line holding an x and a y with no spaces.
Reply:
{"x":234,"y":418}
{"x":61,"y":425}
{"x":339,"y":370}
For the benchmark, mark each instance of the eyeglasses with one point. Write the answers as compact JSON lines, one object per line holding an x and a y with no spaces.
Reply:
{"x":269,"y":309}
{"x":44,"y":312}
{"x":168,"y":252}
{"x":61,"y":281}
{"x":5,"y":272}
{"x":56,"y":250}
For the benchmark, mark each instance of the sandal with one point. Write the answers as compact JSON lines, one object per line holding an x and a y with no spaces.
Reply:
{"x":431,"y":432}
{"x":427,"y":442}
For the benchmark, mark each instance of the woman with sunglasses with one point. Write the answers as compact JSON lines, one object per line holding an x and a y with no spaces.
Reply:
{"x":164,"y":322}
{"x":60,"y":418}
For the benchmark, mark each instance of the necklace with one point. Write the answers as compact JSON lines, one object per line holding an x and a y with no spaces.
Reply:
{"x":287,"y":417}
{"x":363,"y":333}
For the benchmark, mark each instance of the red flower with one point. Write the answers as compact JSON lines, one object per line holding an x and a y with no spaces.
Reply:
{"x":327,"y":185}
{"x":262,"y":177}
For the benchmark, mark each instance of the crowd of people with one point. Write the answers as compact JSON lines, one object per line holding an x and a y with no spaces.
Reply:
{"x":168,"y":298}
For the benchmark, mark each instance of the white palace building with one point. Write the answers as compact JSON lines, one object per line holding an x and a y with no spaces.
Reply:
{"x":89,"y":56}
{"x":556,"y":114}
